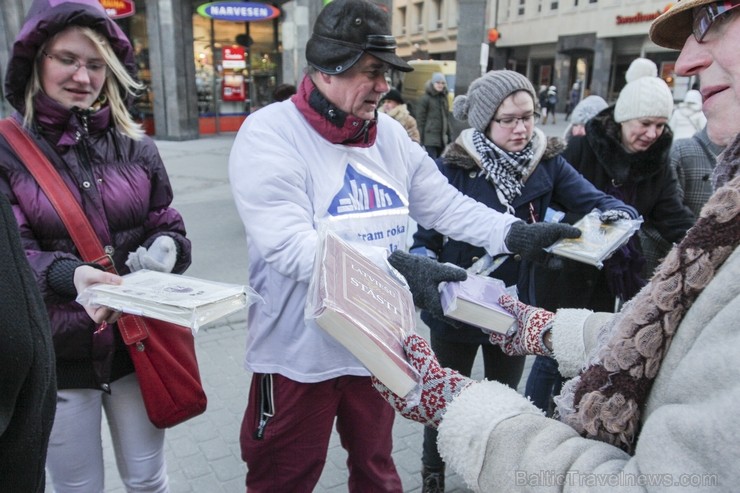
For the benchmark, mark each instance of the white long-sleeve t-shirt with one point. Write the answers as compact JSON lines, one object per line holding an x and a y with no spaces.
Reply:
{"x":286,"y":178}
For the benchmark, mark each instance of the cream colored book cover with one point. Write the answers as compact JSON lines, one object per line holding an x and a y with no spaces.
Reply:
{"x":174,"y":298}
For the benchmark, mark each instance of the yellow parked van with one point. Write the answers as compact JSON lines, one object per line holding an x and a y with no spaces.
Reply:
{"x":412,"y":86}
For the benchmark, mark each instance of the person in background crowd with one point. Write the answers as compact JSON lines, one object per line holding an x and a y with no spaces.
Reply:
{"x":283,"y":92}
{"x":588,"y":108}
{"x":573,"y":99}
{"x":551,"y":100}
{"x":694,"y":160}
{"x":394,"y":106}
{"x":433,"y":115}
{"x":658,"y":386}
{"x":70,"y":77}
{"x":542,"y":98}
{"x":509,"y":165}
{"x":625,"y":153}
{"x":687,"y":117}
{"x":295,"y":168}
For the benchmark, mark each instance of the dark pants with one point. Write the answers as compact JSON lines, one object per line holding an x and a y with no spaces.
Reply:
{"x":544,"y":383}
{"x":291,"y":452}
{"x":434,"y":151}
{"x":461,"y":356}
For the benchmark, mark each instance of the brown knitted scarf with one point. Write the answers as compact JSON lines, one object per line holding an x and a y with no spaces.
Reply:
{"x":609,"y":395}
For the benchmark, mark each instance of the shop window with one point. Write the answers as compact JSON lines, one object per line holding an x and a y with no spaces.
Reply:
{"x":245,"y":82}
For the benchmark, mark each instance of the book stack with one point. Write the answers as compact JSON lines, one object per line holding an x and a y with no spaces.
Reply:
{"x":365,"y":309}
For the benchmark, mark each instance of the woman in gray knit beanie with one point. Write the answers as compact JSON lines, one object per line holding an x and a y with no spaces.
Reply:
{"x":508,"y":164}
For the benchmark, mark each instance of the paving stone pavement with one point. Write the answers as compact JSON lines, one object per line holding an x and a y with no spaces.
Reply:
{"x":203,"y":454}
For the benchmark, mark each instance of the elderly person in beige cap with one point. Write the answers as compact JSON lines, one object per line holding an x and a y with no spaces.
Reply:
{"x":654,"y":407}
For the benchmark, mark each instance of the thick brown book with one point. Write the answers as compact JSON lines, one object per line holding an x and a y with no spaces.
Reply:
{"x":365,"y":309}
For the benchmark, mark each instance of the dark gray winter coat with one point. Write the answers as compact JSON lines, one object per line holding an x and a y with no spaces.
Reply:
{"x":432,"y":113}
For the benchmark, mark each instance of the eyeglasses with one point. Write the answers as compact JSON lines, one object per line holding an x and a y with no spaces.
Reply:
{"x":72,"y":64}
{"x":707,"y":15}
{"x":512,"y":122}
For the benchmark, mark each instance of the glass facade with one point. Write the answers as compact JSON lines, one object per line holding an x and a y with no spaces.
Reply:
{"x":236,"y":64}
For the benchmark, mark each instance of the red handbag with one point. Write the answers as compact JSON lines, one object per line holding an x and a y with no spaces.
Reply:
{"x":163,"y":353}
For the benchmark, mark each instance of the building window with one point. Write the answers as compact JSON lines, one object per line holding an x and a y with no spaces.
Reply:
{"x":419,"y":17}
{"x":402,"y":20}
{"x":520,"y":10}
{"x":554,"y":6}
{"x":437,"y":13}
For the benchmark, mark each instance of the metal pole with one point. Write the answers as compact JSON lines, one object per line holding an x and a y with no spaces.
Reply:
{"x":214,"y":89}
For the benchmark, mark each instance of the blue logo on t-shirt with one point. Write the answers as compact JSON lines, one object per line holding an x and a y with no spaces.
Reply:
{"x":360,"y":193}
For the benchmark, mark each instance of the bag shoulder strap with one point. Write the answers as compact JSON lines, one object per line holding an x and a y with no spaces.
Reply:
{"x":133,"y":329}
{"x":56,"y":190}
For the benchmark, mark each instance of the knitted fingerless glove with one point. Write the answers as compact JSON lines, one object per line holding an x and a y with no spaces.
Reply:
{"x":532,"y":324}
{"x":438,"y":388}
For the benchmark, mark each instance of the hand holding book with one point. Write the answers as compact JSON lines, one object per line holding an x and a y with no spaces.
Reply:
{"x":532,"y":325}
{"x":424,"y":276}
{"x":439,"y":385}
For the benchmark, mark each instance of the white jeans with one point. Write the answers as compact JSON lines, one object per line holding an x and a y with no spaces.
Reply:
{"x":75,"y":456}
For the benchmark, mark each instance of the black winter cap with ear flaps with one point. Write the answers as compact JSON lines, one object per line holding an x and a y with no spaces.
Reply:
{"x":345,"y":30}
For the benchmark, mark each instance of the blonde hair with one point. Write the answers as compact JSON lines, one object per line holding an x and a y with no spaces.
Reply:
{"x":118,"y":85}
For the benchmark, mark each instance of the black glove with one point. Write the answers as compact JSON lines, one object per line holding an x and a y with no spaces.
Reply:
{"x":530,"y":240}
{"x":423,"y":276}
{"x":613,"y":215}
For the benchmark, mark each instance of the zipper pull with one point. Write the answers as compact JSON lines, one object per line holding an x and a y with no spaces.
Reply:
{"x":259,"y":434}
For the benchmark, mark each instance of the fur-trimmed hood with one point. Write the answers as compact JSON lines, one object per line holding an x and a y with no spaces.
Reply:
{"x":604,"y":136}
{"x":462,"y":153}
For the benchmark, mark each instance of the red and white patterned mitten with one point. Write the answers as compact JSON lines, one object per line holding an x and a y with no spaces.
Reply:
{"x":532,"y":323}
{"x":439,"y":385}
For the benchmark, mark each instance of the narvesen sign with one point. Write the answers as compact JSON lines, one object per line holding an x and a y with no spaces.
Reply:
{"x":117,"y":9}
{"x":238,"y":11}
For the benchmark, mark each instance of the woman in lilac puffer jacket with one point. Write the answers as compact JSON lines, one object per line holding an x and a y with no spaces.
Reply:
{"x":70,"y":77}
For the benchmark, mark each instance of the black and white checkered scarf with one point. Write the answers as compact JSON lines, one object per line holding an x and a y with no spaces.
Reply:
{"x":503,"y":169}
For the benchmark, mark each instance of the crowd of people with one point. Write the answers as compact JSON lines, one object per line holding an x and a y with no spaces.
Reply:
{"x":634,"y":372}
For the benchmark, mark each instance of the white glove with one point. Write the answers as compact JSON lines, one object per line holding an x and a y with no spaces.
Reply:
{"x":161,"y":256}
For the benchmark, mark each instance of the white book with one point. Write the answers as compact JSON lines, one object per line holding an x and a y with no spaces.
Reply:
{"x":173,"y":298}
{"x":598,"y":241}
{"x":475,"y":302}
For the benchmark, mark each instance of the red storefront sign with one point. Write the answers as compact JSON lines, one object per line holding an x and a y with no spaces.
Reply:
{"x":118,"y":9}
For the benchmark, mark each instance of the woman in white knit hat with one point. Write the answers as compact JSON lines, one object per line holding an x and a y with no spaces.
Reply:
{"x":508,"y":164}
{"x":625,"y":153}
